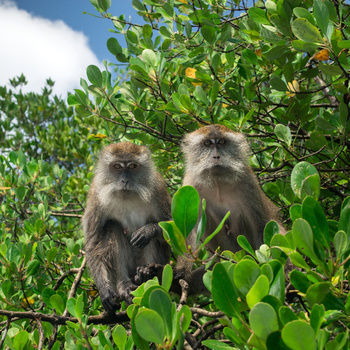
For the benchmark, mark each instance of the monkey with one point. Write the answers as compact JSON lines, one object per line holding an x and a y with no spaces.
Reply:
{"x":126,"y":200}
{"x":217,"y":166}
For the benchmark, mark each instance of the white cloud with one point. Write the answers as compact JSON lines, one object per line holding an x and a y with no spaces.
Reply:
{"x":40,"y":49}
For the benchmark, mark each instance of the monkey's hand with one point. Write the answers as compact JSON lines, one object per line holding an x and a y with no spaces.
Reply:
{"x":145,"y":273}
{"x":141,"y":237}
{"x":124,"y":289}
{"x":109,"y":300}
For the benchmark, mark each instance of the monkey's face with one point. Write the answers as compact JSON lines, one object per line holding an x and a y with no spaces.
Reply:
{"x":215,"y":153}
{"x":126,"y":170}
{"x":125,"y":174}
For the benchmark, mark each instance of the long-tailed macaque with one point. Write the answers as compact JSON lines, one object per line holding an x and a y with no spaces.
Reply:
{"x":217,"y":166}
{"x":126,"y":200}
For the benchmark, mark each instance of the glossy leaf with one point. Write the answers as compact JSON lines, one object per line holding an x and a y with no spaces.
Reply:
{"x":305,"y":31}
{"x":150,"y":326}
{"x":263,"y":320}
{"x":299,"y":335}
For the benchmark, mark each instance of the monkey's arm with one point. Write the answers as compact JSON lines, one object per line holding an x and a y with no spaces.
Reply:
{"x":141,"y":237}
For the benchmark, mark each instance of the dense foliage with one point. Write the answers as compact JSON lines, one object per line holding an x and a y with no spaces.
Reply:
{"x":277,"y":71}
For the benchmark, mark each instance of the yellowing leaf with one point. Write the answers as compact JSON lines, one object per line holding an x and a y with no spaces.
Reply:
{"x":91,"y":293}
{"x":27,"y":301}
{"x":2,"y":188}
{"x":292,"y":87}
{"x":224,"y":105}
{"x":190,"y":72}
{"x":97,"y":136}
{"x":183,"y":1}
{"x":258,"y":52}
{"x":322,"y":55}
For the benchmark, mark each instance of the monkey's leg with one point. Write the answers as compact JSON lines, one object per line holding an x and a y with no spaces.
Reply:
{"x":154,"y":257}
{"x":109,"y":257}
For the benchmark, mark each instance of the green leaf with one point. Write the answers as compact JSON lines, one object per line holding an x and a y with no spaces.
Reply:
{"x":185,"y":101}
{"x":209,"y":34}
{"x":46,"y":295}
{"x":299,"y":280}
{"x":71,"y":306}
{"x":79,"y":306}
{"x":329,"y":69}
{"x":302,"y":46}
{"x":313,"y":213}
{"x":298,"y":335}
{"x":202,"y":223}
{"x":245,"y":275}
{"x":217,"y":230}
{"x":183,"y":318}
{"x":243,"y":242}
{"x":302,"y":12}
{"x":317,"y":292}
{"x":300,"y":173}
{"x":281,"y":24}
{"x":147,"y":31}
{"x":150,"y":57}
{"x":20,"y":340}
{"x":283,"y":133}
{"x":94,"y":75}
{"x":271,"y":229}
{"x":223,"y":292}
{"x":174,"y":237}
{"x":263,"y":320}
{"x":258,"y":291}
{"x":321,"y":14}
{"x":119,"y":336}
{"x":217,"y":345}
{"x":185,"y":208}
{"x":200,"y":95}
{"x":286,"y":315}
{"x":57,"y":303}
{"x":344,"y":44}
{"x":340,"y":243}
{"x":167,"y":277}
{"x":303,"y":237}
{"x":160,"y":302}
{"x":32,"y":268}
{"x":113,"y":46}
{"x":344,"y":220}
{"x":317,"y":317}
{"x":258,"y":15}
{"x":149,"y":325}
{"x":278,"y":84}
{"x":305,"y":31}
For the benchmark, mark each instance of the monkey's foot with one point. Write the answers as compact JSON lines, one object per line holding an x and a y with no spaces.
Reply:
{"x":145,"y":273}
{"x":124,"y":289}
{"x":109,"y":300}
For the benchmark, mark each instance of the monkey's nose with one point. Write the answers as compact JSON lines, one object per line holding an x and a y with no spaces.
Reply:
{"x":216,"y":157}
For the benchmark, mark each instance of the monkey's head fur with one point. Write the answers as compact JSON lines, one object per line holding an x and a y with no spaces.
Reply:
{"x":215,"y":153}
{"x":126,"y":170}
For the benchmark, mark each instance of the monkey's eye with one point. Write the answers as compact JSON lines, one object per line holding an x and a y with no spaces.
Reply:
{"x":132,"y":166}
{"x":118,"y":166}
{"x":207,"y":143}
{"x":221,"y":141}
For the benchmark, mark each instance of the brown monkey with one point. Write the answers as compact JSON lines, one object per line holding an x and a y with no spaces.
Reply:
{"x":217,"y":166}
{"x":126,"y":200}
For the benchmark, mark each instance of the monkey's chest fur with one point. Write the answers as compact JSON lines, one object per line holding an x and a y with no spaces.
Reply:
{"x":132,"y":213}
{"x":241,"y":221}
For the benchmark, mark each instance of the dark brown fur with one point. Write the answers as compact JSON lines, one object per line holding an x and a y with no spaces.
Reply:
{"x":121,"y":219}
{"x":217,"y":166}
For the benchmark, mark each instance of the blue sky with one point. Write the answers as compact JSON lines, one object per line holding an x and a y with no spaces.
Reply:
{"x":53,"y":38}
